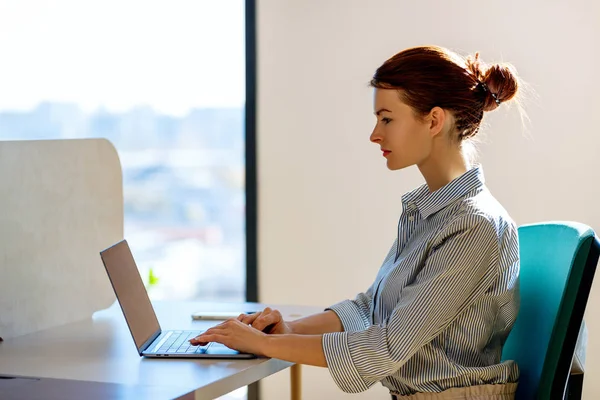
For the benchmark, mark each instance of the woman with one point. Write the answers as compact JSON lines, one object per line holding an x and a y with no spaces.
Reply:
{"x":433,"y":323}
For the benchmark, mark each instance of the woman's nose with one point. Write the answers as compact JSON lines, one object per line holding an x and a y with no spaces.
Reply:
{"x":375,"y":136}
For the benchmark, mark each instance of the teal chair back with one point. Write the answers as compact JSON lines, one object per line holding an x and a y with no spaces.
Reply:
{"x":558,"y":261}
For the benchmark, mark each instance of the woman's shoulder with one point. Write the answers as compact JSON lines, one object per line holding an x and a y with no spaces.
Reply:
{"x":481,"y":211}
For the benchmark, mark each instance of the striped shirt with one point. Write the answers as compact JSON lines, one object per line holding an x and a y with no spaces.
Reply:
{"x":443,"y":302}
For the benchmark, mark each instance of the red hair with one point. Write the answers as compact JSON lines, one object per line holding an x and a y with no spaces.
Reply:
{"x":431,"y":76}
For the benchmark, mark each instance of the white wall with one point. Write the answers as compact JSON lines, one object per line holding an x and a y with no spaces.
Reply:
{"x":329,"y":207}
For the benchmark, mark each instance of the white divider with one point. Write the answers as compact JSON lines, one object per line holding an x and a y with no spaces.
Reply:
{"x":61,"y":202}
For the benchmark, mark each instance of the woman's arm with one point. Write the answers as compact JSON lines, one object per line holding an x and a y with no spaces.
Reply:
{"x":316,"y":324}
{"x":300,"y":349}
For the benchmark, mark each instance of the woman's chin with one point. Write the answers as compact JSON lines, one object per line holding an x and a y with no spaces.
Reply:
{"x":394,"y":166}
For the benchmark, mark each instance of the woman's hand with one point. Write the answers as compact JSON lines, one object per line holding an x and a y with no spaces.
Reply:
{"x":268,"y":321}
{"x":235,"y":335}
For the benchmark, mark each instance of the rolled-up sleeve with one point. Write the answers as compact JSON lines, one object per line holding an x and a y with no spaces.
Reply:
{"x":457,"y":271}
{"x":354,"y":314}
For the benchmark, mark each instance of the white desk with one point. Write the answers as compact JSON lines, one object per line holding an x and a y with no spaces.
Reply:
{"x":101,"y":350}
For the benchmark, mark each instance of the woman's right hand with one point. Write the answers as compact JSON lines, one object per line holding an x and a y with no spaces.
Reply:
{"x":269,"y":321}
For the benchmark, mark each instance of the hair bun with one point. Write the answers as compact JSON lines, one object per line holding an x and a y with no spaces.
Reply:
{"x":499,"y":81}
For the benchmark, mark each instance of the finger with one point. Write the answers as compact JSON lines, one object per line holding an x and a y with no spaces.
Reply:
{"x":195,"y":342}
{"x":249,"y":318}
{"x":199,"y":339}
{"x":264,"y":321}
{"x":215,"y":330}
{"x":209,"y":338}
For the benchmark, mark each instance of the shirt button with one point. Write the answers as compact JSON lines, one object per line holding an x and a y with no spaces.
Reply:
{"x":411,"y":218}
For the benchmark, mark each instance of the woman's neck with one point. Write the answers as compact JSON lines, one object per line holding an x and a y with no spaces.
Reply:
{"x":440,"y":170}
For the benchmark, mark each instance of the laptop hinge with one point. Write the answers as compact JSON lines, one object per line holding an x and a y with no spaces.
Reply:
{"x":147,"y":343}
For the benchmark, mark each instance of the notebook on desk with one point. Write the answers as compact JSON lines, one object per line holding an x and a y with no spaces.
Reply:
{"x":149,"y":338}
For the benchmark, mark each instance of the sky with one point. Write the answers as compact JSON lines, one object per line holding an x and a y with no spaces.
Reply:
{"x":172,"y":55}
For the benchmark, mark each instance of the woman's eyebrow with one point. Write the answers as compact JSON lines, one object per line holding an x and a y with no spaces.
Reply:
{"x":382,"y":110}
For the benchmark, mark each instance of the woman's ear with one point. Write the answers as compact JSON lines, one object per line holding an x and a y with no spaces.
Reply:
{"x":437,"y":121}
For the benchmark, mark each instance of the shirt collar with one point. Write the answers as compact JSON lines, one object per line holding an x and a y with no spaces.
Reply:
{"x":429,"y":203}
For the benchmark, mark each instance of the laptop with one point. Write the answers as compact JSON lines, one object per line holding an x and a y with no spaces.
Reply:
{"x":149,"y":338}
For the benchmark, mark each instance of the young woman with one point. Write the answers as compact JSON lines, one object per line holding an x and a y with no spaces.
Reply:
{"x":433,"y":323}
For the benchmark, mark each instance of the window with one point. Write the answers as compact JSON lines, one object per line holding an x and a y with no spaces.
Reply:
{"x":165,"y":83}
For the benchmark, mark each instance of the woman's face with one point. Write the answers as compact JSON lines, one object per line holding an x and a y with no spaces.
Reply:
{"x":404,"y":138}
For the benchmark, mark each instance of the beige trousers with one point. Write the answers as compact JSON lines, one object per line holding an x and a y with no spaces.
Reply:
{"x":482,"y":392}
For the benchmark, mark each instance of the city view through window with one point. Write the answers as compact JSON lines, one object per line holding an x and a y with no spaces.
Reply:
{"x":165,"y":83}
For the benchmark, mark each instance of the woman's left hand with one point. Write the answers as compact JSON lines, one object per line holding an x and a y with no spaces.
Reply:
{"x":235,"y":335}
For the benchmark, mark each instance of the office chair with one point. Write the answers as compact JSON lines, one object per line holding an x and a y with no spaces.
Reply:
{"x":558,"y":261}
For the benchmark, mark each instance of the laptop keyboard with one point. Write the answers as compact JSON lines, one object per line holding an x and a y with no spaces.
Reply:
{"x":179,"y":343}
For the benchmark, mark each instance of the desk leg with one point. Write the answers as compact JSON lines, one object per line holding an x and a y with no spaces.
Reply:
{"x":296,"y":381}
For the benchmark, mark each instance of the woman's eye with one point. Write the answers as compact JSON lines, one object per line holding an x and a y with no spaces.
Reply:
{"x":386,"y":120}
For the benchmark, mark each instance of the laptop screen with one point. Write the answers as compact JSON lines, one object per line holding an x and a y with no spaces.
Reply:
{"x":131,"y":293}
